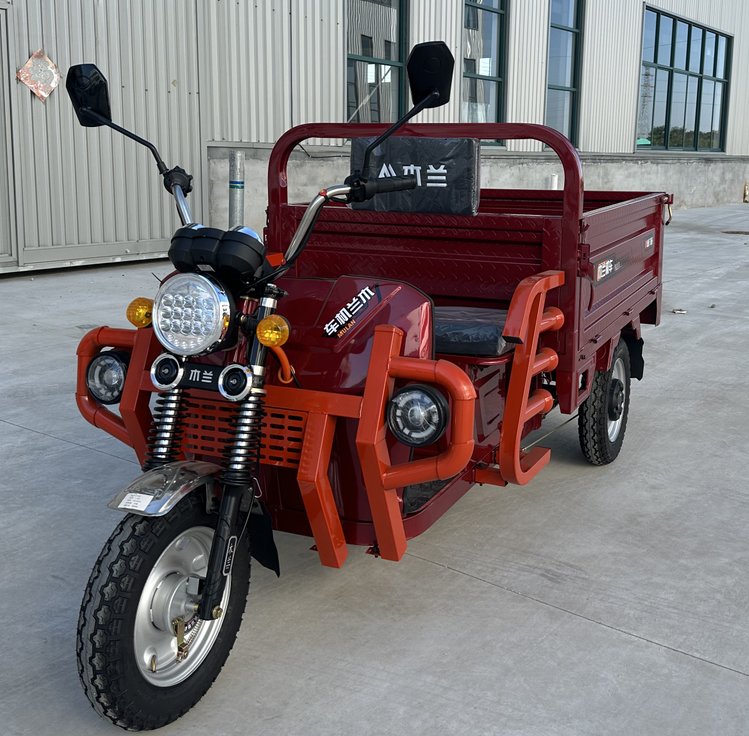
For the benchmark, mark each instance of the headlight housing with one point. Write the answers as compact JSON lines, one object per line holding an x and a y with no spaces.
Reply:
{"x":105,"y":376}
{"x":418,"y":415}
{"x":192,"y":314}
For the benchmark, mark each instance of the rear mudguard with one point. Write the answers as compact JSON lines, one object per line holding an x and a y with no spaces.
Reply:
{"x":158,"y":491}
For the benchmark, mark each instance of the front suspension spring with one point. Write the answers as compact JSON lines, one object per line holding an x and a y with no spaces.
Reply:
{"x":165,"y":438}
{"x":242,"y":455}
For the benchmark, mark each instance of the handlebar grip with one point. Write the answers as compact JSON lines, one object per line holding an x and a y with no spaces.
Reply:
{"x":395,"y":184}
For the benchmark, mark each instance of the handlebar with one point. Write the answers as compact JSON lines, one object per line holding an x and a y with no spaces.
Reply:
{"x":183,"y":209}
{"x":394,"y":184}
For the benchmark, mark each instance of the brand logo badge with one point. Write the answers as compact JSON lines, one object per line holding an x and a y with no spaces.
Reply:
{"x":231,"y":548}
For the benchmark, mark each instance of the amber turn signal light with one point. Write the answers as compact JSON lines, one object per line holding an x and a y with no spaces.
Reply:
{"x":139,"y":312}
{"x":273,"y":331}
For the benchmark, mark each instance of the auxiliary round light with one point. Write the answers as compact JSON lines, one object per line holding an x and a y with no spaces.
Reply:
{"x":105,"y":376}
{"x":139,"y":312}
{"x":273,"y":331}
{"x":191,"y":314}
{"x":418,"y":415}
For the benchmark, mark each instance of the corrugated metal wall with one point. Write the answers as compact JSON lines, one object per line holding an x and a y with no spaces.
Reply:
{"x":272,"y":65}
{"x":440,"y":21}
{"x":88,"y":193}
{"x":610,"y":76}
{"x":527,"y":53}
{"x":7,"y":242}
{"x":247,"y":60}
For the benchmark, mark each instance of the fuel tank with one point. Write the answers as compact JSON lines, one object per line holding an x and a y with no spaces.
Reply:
{"x":333,"y":321}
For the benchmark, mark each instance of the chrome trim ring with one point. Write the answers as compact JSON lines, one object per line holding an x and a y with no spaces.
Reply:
{"x":248,"y":386}
{"x":175,"y":382}
{"x":223,"y":316}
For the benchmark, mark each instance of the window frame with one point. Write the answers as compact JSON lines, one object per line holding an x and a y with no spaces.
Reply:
{"x":577,"y":32}
{"x":399,"y":63}
{"x":475,"y":77}
{"x":699,"y":75}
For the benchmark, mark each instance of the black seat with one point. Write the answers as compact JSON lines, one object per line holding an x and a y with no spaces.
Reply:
{"x":473,"y":331}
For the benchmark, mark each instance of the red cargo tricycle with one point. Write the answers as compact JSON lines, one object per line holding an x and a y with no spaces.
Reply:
{"x":348,"y":376}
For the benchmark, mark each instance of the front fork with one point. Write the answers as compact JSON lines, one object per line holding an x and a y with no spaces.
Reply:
{"x":239,"y":468}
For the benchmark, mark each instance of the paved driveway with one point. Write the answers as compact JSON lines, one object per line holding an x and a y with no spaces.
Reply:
{"x":593,"y":601}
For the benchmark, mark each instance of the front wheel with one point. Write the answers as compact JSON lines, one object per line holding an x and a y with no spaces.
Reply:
{"x":602,"y":419}
{"x":141,"y":593}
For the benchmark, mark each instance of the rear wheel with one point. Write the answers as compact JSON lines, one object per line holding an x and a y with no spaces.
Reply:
{"x":602,"y":419}
{"x":141,"y":590}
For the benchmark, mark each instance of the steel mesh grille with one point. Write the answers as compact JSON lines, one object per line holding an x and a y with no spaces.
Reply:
{"x":206,"y":427}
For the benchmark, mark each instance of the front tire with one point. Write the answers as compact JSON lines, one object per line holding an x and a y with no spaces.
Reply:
{"x":602,"y":419}
{"x":127,"y":652}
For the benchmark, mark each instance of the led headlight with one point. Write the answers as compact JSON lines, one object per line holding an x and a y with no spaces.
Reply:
{"x":105,"y":376}
{"x":191,"y":314}
{"x":417,"y":415}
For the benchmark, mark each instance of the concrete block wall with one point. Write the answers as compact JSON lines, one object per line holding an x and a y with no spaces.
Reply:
{"x":695,"y":181}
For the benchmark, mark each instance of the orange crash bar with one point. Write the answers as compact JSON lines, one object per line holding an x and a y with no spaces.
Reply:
{"x":380,"y":477}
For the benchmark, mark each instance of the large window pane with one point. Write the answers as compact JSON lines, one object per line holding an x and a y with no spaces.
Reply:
{"x":720,"y":59}
{"x":665,"y":34}
{"x":709,"y":64}
{"x":680,"y":47}
{"x":479,"y":104}
{"x":678,"y":107}
{"x":659,"y":107}
{"x":563,"y":13}
{"x":373,"y":23}
{"x":695,"y":50}
{"x":648,"y":41}
{"x":559,"y":110}
{"x":645,"y":113}
{"x":561,"y":57}
{"x":706,"y":114}
{"x":482,"y":42}
{"x":374,"y":90}
{"x":691,"y":114}
{"x":717,"y":115}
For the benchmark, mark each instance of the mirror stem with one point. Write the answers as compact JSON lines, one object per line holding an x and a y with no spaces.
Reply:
{"x":426,"y":102}
{"x":101,"y":119}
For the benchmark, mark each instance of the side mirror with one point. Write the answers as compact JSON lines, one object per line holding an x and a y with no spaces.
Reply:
{"x":89,"y":93}
{"x":430,"y":67}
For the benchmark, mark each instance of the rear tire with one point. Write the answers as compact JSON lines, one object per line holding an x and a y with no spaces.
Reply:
{"x":602,"y":419}
{"x":136,"y":583}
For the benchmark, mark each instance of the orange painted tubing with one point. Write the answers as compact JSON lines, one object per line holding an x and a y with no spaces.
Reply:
{"x":546,"y":360}
{"x":284,"y":372}
{"x":92,"y":411}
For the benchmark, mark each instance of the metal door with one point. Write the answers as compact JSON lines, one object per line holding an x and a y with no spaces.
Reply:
{"x":90,"y":195}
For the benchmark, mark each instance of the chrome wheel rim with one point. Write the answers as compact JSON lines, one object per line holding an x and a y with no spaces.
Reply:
{"x":164,"y":599}
{"x":615,"y":425}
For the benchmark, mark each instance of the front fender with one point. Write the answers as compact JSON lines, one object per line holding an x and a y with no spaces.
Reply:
{"x":158,"y":491}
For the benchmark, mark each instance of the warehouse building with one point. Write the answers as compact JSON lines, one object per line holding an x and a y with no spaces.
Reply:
{"x":654,"y":95}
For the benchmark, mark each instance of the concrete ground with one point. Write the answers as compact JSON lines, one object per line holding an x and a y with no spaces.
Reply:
{"x":593,"y":601}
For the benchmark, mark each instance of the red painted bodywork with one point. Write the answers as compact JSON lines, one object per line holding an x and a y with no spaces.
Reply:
{"x":331,"y":468}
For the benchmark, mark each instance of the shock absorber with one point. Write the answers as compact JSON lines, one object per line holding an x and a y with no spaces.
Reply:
{"x":166,"y":430}
{"x":242,"y":455}
{"x":240,"y":465}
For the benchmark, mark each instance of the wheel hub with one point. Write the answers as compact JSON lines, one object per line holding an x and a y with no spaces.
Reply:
{"x":167,"y":628}
{"x":616,"y":400}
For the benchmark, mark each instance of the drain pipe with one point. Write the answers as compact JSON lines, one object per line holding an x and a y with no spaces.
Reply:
{"x":236,"y":189}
